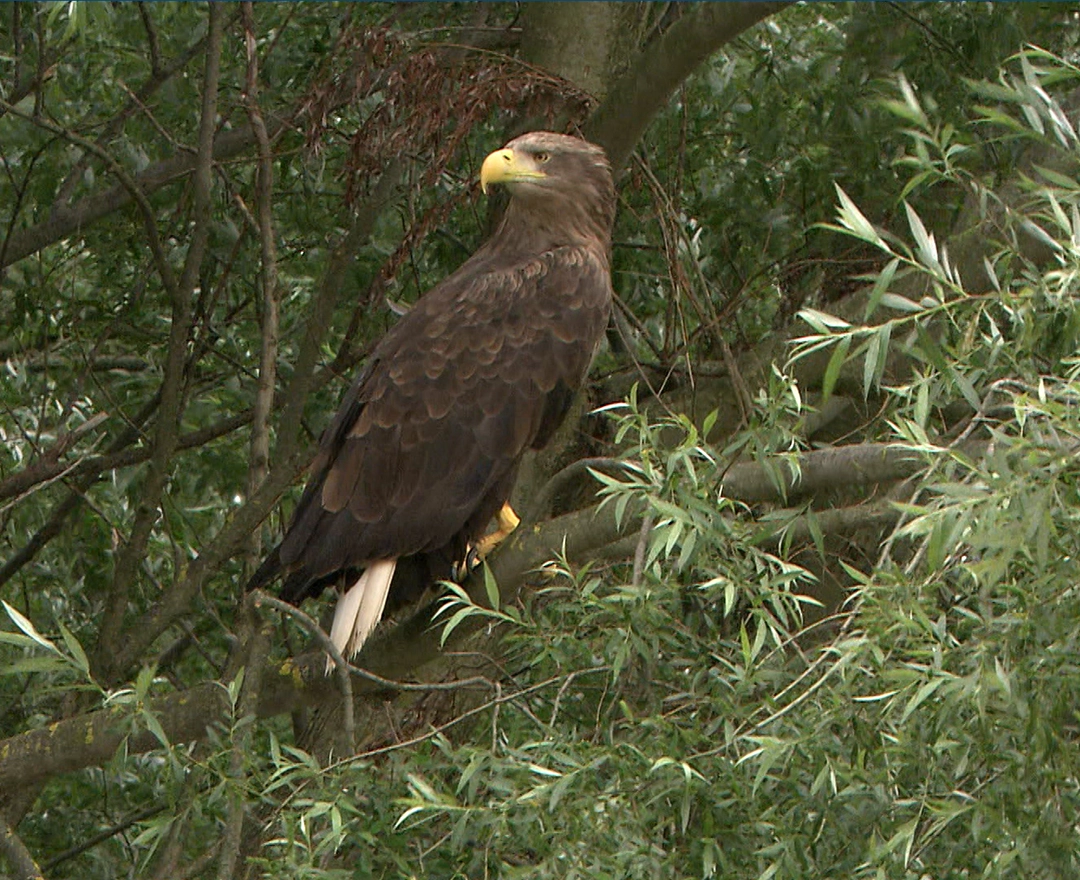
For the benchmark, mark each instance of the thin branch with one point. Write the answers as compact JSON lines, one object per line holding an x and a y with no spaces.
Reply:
{"x":318,"y":324}
{"x":498,"y":700}
{"x":105,"y":834}
{"x":246,"y":710}
{"x":73,"y":499}
{"x":128,"y":184}
{"x":18,"y":484}
{"x":152,"y":42}
{"x":311,"y":625}
{"x":176,"y":600}
{"x":136,"y":101}
{"x":341,"y":666}
{"x":290,"y":456}
{"x":269,"y":322}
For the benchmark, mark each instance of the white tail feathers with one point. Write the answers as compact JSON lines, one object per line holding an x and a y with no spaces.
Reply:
{"x":360,"y":609}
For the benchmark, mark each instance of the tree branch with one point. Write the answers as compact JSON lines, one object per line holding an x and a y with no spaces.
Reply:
{"x":268,"y":315}
{"x":254,"y":667}
{"x":170,"y":411}
{"x":637,"y":96}
{"x":158,"y":77}
{"x":68,"y":221}
{"x":819,"y":471}
{"x":322,"y":309}
{"x":18,"y":855}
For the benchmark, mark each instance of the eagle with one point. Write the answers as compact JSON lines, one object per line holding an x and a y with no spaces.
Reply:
{"x":424,"y":449}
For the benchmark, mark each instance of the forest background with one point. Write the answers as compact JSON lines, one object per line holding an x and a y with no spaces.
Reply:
{"x":797,"y":590}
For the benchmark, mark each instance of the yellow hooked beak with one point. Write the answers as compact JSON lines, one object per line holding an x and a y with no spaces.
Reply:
{"x":506,"y":166}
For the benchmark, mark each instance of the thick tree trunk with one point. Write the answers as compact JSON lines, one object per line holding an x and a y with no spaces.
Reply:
{"x":589,"y":44}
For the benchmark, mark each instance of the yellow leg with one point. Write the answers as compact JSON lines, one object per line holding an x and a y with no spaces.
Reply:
{"x":508,"y":521}
{"x":474,"y":553}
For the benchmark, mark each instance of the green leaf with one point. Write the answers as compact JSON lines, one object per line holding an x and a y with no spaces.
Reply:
{"x":36,"y":664}
{"x":924,"y":241}
{"x":822,"y":321}
{"x":832,"y":369}
{"x":877,"y":355}
{"x":1058,"y":179}
{"x":900,"y":303}
{"x":921,"y":695}
{"x":75,"y":649}
{"x":853,"y":220}
{"x":154,"y":726}
{"x":881,"y":286}
{"x":491,"y":588}
{"x":28,"y":628}
{"x":708,"y":423}
{"x":460,"y":615}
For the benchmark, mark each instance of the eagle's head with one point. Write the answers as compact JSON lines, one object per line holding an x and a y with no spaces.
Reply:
{"x":555,"y":179}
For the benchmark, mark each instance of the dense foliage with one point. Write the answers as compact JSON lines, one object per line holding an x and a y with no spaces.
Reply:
{"x":854,"y":232}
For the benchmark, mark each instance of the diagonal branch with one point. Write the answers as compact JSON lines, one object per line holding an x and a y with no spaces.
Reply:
{"x":619,"y":122}
{"x":17,"y":854}
{"x":68,"y":221}
{"x":176,"y":601}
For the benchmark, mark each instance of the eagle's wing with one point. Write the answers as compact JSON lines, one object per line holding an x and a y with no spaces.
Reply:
{"x":424,"y":448}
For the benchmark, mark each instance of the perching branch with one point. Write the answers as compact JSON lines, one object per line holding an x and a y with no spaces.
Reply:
{"x":398,"y":653}
{"x":821,"y":470}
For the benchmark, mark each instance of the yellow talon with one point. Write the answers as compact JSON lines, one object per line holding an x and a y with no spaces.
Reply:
{"x":475,"y":553}
{"x":508,"y":521}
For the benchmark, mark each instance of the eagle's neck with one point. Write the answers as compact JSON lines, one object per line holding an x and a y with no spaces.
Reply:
{"x":536,"y":226}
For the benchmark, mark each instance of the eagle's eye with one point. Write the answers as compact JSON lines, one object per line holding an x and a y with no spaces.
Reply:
{"x":541,"y":158}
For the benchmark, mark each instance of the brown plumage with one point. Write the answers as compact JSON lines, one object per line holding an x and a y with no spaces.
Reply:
{"x":425,"y":447}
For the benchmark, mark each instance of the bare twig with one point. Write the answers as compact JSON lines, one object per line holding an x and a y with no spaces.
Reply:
{"x":363,"y":223}
{"x":311,"y":625}
{"x":151,"y":38}
{"x":137,"y":101}
{"x":129,"y":184}
{"x":341,"y":666}
{"x":105,"y":834}
{"x":69,"y":220}
{"x":498,"y":700}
